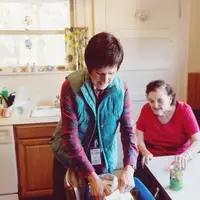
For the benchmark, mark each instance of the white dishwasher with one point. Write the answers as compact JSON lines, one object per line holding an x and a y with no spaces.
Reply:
{"x":8,"y":168}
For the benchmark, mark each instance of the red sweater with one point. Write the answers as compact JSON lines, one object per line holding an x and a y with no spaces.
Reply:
{"x":171,"y":138}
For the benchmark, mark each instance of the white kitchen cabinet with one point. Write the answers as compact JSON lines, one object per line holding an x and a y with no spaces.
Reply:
{"x":8,"y":168}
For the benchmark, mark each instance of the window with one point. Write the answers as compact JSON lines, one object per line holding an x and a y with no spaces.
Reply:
{"x":32,"y":32}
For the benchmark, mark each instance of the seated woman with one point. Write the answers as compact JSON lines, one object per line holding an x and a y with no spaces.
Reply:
{"x":166,"y":126}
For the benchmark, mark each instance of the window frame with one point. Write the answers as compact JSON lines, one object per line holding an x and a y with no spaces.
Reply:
{"x":9,"y":69}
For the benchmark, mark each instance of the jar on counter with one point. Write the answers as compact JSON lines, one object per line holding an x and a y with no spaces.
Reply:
{"x":176,"y":177}
{"x":7,"y":111}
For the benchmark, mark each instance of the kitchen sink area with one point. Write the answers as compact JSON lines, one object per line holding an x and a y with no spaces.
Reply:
{"x":45,"y":111}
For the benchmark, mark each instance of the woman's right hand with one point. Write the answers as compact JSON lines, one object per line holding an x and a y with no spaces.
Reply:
{"x":146,"y":157}
{"x":98,"y":188}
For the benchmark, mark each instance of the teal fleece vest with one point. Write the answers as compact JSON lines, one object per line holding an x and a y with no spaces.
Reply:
{"x":105,"y":119}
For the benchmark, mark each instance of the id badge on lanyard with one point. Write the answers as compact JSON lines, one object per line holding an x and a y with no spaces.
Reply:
{"x":95,"y":154}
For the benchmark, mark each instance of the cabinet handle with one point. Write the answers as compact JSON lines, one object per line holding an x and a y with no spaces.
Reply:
{"x":4,"y":143}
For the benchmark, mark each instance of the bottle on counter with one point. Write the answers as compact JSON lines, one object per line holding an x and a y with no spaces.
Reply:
{"x":4,"y":92}
{"x":4,"y":96}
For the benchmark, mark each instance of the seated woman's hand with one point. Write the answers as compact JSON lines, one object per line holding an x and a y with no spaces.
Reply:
{"x":182,"y":159}
{"x":146,"y":157}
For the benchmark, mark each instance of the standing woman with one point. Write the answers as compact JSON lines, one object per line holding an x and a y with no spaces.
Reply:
{"x":94,"y":101}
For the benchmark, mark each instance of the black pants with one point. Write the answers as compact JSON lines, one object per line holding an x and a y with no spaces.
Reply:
{"x":58,"y":180}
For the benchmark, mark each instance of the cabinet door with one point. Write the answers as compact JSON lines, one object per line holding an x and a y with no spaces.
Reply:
{"x":35,"y":161}
{"x":193,"y":98}
{"x":153,"y":36}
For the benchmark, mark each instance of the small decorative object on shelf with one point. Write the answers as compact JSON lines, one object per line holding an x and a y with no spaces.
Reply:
{"x":49,"y":68}
{"x":28,"y":68}
{"x":15,"y":69}
{"x":61,"y":68}
{"x":23,"y":69}
{"x":40,"y":69}
{"x":27,"y":22}
{"x":34,"y":68}
{"x":28,"y":43}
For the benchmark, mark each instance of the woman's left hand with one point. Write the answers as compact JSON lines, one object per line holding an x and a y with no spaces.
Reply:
{"x":182,"y":160}
{"x":126,"y":180}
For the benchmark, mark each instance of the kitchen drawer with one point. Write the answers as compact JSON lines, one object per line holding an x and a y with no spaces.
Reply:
{"x":30,"y":131}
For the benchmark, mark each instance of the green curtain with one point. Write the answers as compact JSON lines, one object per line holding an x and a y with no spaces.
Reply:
{"x":75,"y":42}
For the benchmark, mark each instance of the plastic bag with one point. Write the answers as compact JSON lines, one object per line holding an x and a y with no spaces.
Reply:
{"x":76,"y":187}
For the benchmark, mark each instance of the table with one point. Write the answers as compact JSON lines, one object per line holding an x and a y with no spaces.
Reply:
{"x":159,"y":168}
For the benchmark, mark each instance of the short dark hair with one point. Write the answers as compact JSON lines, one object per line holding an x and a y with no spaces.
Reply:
{"x":103,"y":50}
{"x":154,"y":85}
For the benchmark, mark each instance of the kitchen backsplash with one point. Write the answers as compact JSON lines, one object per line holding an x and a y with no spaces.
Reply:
{"x":40,"y":87}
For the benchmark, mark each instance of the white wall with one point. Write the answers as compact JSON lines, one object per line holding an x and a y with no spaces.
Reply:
{"x":40,"y":86}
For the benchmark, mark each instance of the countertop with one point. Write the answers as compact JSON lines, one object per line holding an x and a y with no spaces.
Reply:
{"x":27,"y":120}
{"x":159,"y":167}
